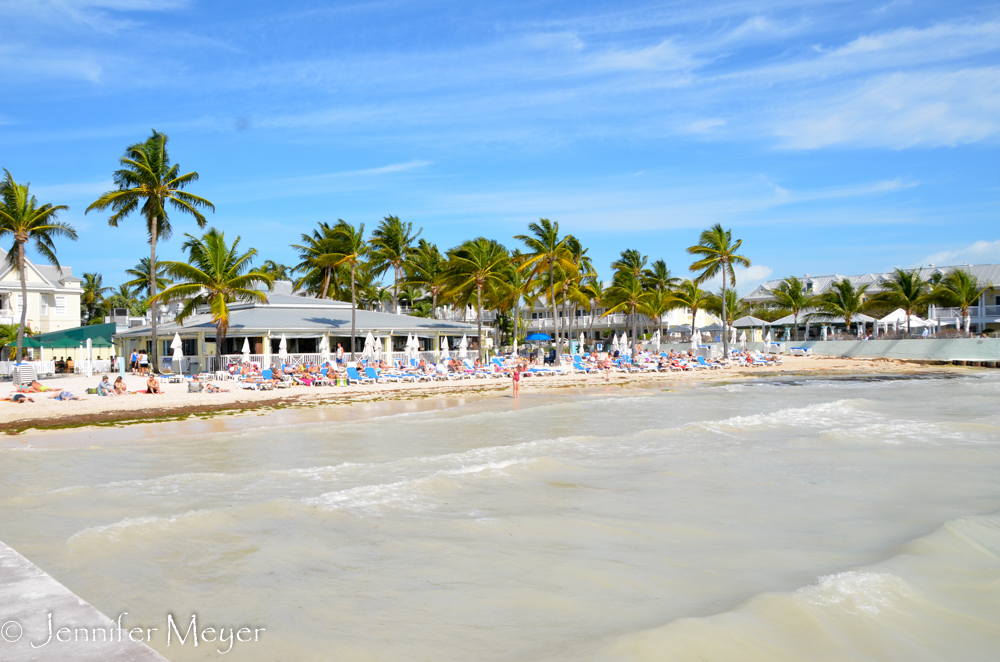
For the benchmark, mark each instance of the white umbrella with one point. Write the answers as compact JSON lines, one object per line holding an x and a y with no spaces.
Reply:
{"x":369,"y":351}
{"x":246,"y":350}
{"x":463,"y":348}
{"x":90,"y":357}
{"x":444,"y":345}
{"x":614,"y":343}
{"x":580,"y":350}
{"x":743,"y":340}
{"x":377,"y":349}
{"x":324,"y":349}
{"x":767,"y":339}
{"x":178,"y":348}
{"x":283,"y":350}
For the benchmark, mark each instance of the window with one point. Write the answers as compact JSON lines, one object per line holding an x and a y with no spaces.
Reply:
{"x":18,"y":302}
{"x":60,"y":305}
{"x":45,"y":303}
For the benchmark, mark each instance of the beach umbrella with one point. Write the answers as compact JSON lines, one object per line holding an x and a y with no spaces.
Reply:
{"x":369,"y":349}
{"x":743,"y":340}
{"x":90,"y":357}
{"x":463,"y":348}
{"x":246,"y":350}
{"x":376,"y":349}
{"x":324,"y":349}
{"x":444,"y":345}
{"x":283,"y":350}
{"x":538,"y":337}
{"x":178,"y":356}
{"x":580,"y":349}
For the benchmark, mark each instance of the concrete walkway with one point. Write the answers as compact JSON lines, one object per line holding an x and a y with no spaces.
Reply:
{"x":28,"y":596}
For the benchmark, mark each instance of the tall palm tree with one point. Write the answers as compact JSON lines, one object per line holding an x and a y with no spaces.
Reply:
{"x":25,"y":220}
{"x":479,"y":266}
{"x":215,"y":275}
{"x":318,"y":255}
{"x":518,"y":285}
{"x":93,"y":294}
{"x":594,"y":290}
{"x":351,"y":251}
{"x":960,"y":289}
{"x":843,"y":300}
{"x":791,"y":295}
{"x":546,"y":251}
{"x":625,"y":295}
{"x":632,"y":262}
{"x":718,"y":256}
{"x":658,"y":277}
{"x":904,"y":289}
{"x":147,"y":183}
{"x":428,"y":269}
{"x":689,"y":295}
{"x":392,"y":247}
{"x":141,"y":278}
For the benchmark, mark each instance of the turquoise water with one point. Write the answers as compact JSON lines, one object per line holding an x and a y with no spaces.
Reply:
{"x":810,"y":520}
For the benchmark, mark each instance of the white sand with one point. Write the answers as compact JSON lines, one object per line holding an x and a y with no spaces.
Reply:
{"x":176,"y":400}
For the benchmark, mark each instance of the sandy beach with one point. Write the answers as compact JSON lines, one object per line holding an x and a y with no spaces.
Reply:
{"x":175,"y":402}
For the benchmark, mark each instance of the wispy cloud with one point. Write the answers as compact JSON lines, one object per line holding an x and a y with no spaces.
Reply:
{"x":981,"y":252}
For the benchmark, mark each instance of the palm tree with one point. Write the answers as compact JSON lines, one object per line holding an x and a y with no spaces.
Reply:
{"x":141,"y":277}
{"x":276,"y":270}
{"x":593,"y":289}
{"x":960,"y":289}
{"x":658,"y":277}
{"x":718,"y":256}
{"x":351,"y":250}
{"x":318,"y":253}
{"x":146,"y":183}
{"x":632,"y":262}
{"x":904,"y":289}
{"x":25,"y":220}
{"x":654,"y":304}
{"x":479,"y":265}
{"x":125,"y":297}
{"x":791,"y":295}
{"x":427,"y":269}
{"x":546,"y":252}
{"x":689,"y":295}
{"x":93,"y":294}
{"x":625,"y":294}
{"x":517,"y":285}
{"x":215,"y":275}
{"x":392,"y":246}
{"x":842,"y":300}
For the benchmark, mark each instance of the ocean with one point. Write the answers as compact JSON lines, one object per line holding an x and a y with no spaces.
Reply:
{"x":808,"y":519}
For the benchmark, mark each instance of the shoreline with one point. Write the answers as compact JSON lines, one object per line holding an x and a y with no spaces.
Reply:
{"x":46,"y":415}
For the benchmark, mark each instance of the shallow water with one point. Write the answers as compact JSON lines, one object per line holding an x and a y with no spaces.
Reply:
{"x":815,"y":520}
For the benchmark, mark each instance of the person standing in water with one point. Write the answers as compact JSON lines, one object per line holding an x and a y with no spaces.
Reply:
{"x":515,"y":376}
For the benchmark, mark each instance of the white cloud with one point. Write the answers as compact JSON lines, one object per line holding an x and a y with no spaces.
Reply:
{"x":902,"y":110}
{"x":981,"y":252}
{"x":703,"y":126}
{"x":747,"y":278}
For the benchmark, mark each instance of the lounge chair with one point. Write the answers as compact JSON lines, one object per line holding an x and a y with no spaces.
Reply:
{"x":354,"y":378}
{"x":373,"y":375}
{"x":705,"y":364}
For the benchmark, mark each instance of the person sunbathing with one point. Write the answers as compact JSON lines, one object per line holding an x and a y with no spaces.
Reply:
{"x":35,"y":387}
{"x":17,"y":398}
{"x":64,"y":395}
{"x":153,"y":385}
{"x":119,"y":387}
{"x":212,"y":388}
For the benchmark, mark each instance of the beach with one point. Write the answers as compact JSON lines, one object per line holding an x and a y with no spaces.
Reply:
{"x":823,"y":515}
{"x":45,"y":413}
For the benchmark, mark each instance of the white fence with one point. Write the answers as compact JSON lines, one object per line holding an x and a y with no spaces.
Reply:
{"x":41,"y":367}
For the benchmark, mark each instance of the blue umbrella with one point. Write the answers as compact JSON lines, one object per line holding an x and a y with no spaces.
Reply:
{"x":538,"y":336}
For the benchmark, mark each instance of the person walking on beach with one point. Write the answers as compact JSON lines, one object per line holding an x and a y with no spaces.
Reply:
{"x":607,"y":368}
{"x":340,"y":354}
{"x":133,"y":361}
{"x":515,"y":376}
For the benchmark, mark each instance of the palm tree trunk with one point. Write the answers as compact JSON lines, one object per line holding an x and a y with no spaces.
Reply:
{"x":24,"y":302}
{"x":796,"y":316}
{"x":635,"y":338}
{"x":555,"y":319}
{"x":326,"y":283}
{"x":395,"y":289}
{"x":434,"y":304}
{"x":725,"y":319}
{"x":354,"y":308}
{"x":155,"y":367}
{"x":220,"y":341}
{"x":479,"y":320}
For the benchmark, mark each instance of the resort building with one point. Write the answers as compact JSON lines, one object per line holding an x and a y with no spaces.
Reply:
{"x":596,"y":325}
{"x":304,"y":323}
{"x":984,"y":316}
{"x":53,"y":296}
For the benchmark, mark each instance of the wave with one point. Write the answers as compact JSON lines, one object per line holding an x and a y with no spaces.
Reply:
{"x":935,"y":599}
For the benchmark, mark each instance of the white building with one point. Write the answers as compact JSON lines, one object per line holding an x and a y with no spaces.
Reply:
{"x":53,"y":296}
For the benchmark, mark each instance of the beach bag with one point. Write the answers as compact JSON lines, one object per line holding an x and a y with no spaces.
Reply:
{"x":91,"y":391}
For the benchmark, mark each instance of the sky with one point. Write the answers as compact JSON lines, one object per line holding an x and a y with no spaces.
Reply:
{"x":830,"y":136}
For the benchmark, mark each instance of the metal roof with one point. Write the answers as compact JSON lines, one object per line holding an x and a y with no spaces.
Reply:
{"x":986,"y":273}
{"x":292,"y":314}
{"x":820,"y":318}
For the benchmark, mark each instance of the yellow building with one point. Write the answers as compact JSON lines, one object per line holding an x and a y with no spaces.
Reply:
{"x":53,"y":300}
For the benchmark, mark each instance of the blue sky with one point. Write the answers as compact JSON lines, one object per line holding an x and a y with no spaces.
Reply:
{"x":831,"y":136}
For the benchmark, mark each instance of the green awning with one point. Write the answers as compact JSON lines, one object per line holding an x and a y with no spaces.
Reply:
{"x":78,"y":334}
{"x":65,"y":343}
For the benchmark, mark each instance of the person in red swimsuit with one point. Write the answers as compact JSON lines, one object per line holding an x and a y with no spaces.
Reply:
{"x":516,"y":377}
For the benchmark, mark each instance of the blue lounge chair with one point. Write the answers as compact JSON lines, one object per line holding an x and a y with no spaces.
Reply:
{"x":354,"y":378}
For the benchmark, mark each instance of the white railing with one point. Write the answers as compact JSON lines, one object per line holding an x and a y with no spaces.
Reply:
{"x":81,"y":367}
{"x":213,"y":365}
{"x":41,"y":367}
{"x":940,"y":313}
{"x":992,"y":311}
